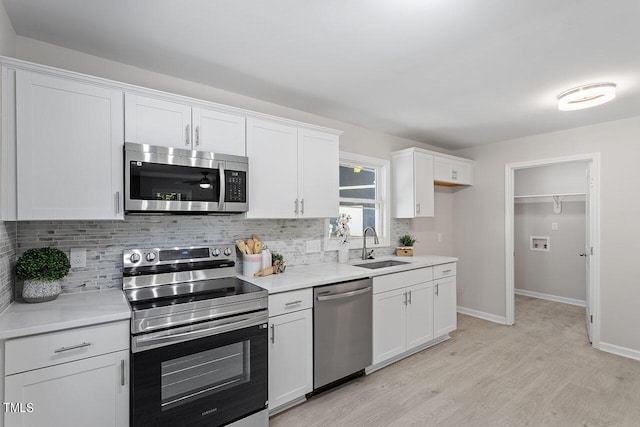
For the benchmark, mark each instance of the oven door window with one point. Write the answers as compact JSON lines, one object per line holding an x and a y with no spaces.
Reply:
{"x":161,"y":182}
{"x":196,"y":376}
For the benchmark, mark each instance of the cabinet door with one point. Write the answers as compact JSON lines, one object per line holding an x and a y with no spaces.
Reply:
{"x":423,"y":167}
{"x":218,"y":132}
{"x":272,"y":149}
{"x":290,"y":357}
{"x":444,"y":306}
{"x":442,"y":169}
{"x":318,"y":169}
{"x":93,"y":391}
{"x":69,"y":149}
{"x":463,"y":173}
{"x":157,"y":122}
{"x":419,"y":314}
{"x":389,"y":324}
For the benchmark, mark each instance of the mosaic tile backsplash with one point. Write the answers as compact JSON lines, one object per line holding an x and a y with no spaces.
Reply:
{"x":105,"y":241}
{"x":8,"y":232}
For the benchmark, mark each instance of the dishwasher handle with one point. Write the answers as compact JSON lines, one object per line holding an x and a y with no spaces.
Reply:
{"x":327,"y":296}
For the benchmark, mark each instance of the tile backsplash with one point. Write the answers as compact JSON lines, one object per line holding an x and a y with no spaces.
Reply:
{"x":8,"y":234}
{"x":104,"y":241}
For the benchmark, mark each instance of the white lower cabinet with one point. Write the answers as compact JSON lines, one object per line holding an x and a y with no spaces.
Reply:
{"x":410,"y":309}
{"x":444,"y":306}
{"x":290,"y":350}
{"x":69,"y":378}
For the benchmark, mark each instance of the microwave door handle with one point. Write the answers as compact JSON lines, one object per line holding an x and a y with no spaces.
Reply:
{"x":222,"y":186}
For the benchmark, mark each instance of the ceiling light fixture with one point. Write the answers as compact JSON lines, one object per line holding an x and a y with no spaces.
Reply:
{"x":586,"y":96}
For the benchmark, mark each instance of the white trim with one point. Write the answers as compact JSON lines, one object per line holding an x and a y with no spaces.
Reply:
{"x":370,"y":369}
{"x":549,"y":297}
{"x":620,"y":351}
{"x":384,"y":168}
{"x":482,"y":315}
{"x":509,"y":169}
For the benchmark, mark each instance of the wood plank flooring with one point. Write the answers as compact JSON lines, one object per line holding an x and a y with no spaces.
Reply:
{"x":540,"y":372}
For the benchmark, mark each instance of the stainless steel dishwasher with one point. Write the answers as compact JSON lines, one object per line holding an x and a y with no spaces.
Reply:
{"x":342,"y":319}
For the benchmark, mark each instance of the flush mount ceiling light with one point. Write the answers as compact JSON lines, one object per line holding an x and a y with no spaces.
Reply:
{"x":586,"y":96}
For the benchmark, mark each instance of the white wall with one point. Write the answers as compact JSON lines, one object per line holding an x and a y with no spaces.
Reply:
{"x":561,"y":270}
{"x":7,"y":34}
{"x":435,"y":235}
{"x":479,"y":221}
{"x":565,"y":178}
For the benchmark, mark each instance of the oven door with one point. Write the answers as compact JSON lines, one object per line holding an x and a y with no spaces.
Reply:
{"x":160,"y":180}
{"x":204,"y":374}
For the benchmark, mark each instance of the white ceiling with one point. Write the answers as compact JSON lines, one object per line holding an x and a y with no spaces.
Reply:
{"x":454,"y":73}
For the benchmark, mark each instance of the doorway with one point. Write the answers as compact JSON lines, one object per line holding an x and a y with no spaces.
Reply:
{"x":591,"y":197}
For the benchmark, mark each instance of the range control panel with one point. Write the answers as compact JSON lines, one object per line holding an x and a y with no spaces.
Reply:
{"x":176,"y":255}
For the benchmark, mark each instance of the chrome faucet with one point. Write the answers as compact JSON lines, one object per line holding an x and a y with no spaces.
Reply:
{"x":369,"y":255}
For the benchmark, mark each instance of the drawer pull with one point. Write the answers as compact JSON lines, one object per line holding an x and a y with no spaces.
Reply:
{"x":72,"y":347}
{"x":287,"y":304}
{"x":446,"y":271}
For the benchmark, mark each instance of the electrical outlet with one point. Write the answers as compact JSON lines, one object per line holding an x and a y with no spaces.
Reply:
{"x":313,"y":246}
{"x":78,"y":257}
{"x":554,"y":226}
{"x":439,"y":237}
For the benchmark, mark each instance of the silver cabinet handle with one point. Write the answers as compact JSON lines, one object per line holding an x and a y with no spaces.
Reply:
{"x":72,"y":347}
{"x":122,"y":372}
{"x":197,"y":136}
{"x":327,"y":296}
{"x":446,"y":271}
{"x":273,"y":333}
{"x":117,"y":202}
{"x":287,"y":304}
{"x":437,"y":289}
{"x":418,"y":207}
{"x":405,"y":299}
{"x":302,"y":207}
{"x":296,"y":205}
{"x":409,"y":297}
{"x":186,"y":135}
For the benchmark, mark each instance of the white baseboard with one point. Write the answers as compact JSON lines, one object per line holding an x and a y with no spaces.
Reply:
{"x":540,"y":295}
{"x":482,"y":315}
{"x":620,"y":351}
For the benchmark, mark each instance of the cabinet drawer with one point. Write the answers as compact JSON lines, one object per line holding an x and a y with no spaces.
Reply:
{"x":444,"y":270}
{"x":38,"y":351}
{"x":287,"y":302}
{"x":394,"y":281}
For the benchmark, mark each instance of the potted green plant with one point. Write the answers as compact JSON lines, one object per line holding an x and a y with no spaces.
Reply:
{"x":41,"y":269}
{"x":407,"y":246}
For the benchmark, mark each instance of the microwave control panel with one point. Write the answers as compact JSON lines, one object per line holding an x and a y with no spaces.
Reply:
{"x":235,"y":186}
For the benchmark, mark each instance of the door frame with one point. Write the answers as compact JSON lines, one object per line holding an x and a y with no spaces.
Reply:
{"x":594,"y":226}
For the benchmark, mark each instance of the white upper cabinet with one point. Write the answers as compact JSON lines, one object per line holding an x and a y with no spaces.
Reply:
{"x":293,"y":171}
{"x":174,"y":124}
{"x":453,"y":171}
{"x":412,"y":176}
{"x":218,"y":132}
{"x":318,"y":173}
{"x":68,"y":149}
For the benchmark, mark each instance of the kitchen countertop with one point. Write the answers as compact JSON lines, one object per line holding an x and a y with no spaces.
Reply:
{"x":307,"y":276}
{"x":70,"y":310}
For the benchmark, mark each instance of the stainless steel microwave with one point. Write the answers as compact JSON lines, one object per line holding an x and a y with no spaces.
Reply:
{"x":174,"y":180}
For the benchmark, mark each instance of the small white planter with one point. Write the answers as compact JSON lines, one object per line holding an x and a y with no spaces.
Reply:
{"x":343,"y":255}
{"x":41,"y":290}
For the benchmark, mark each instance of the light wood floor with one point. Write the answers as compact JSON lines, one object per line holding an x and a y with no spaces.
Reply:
{"x":540,"y":372}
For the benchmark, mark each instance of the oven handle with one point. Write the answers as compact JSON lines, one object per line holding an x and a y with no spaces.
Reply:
{"x":161,"y":339}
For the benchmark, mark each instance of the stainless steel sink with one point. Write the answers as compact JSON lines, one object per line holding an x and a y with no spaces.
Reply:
{"x":381,"y":264}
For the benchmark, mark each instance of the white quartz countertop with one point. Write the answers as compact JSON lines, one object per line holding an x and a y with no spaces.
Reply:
{"x":70,"y":310}
{"x":307,"y":276}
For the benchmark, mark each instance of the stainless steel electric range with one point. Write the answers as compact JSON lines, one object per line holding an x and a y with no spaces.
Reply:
{"x":198,"y":338}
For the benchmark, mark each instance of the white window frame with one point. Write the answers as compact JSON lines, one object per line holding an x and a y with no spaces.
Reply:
{"x":383,"y":190}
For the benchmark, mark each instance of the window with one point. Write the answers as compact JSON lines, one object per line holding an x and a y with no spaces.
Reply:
{"x":364,"y":195}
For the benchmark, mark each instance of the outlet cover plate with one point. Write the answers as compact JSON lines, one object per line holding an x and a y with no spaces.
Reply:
{"x":78,"y":257}
{"x":313,"y":246}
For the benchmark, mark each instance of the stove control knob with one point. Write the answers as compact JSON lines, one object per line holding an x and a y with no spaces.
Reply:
{"x":215,"y":252}
{"x":227,"y":251}
{"x":134,"y":258}
{"x":151,"y":256}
